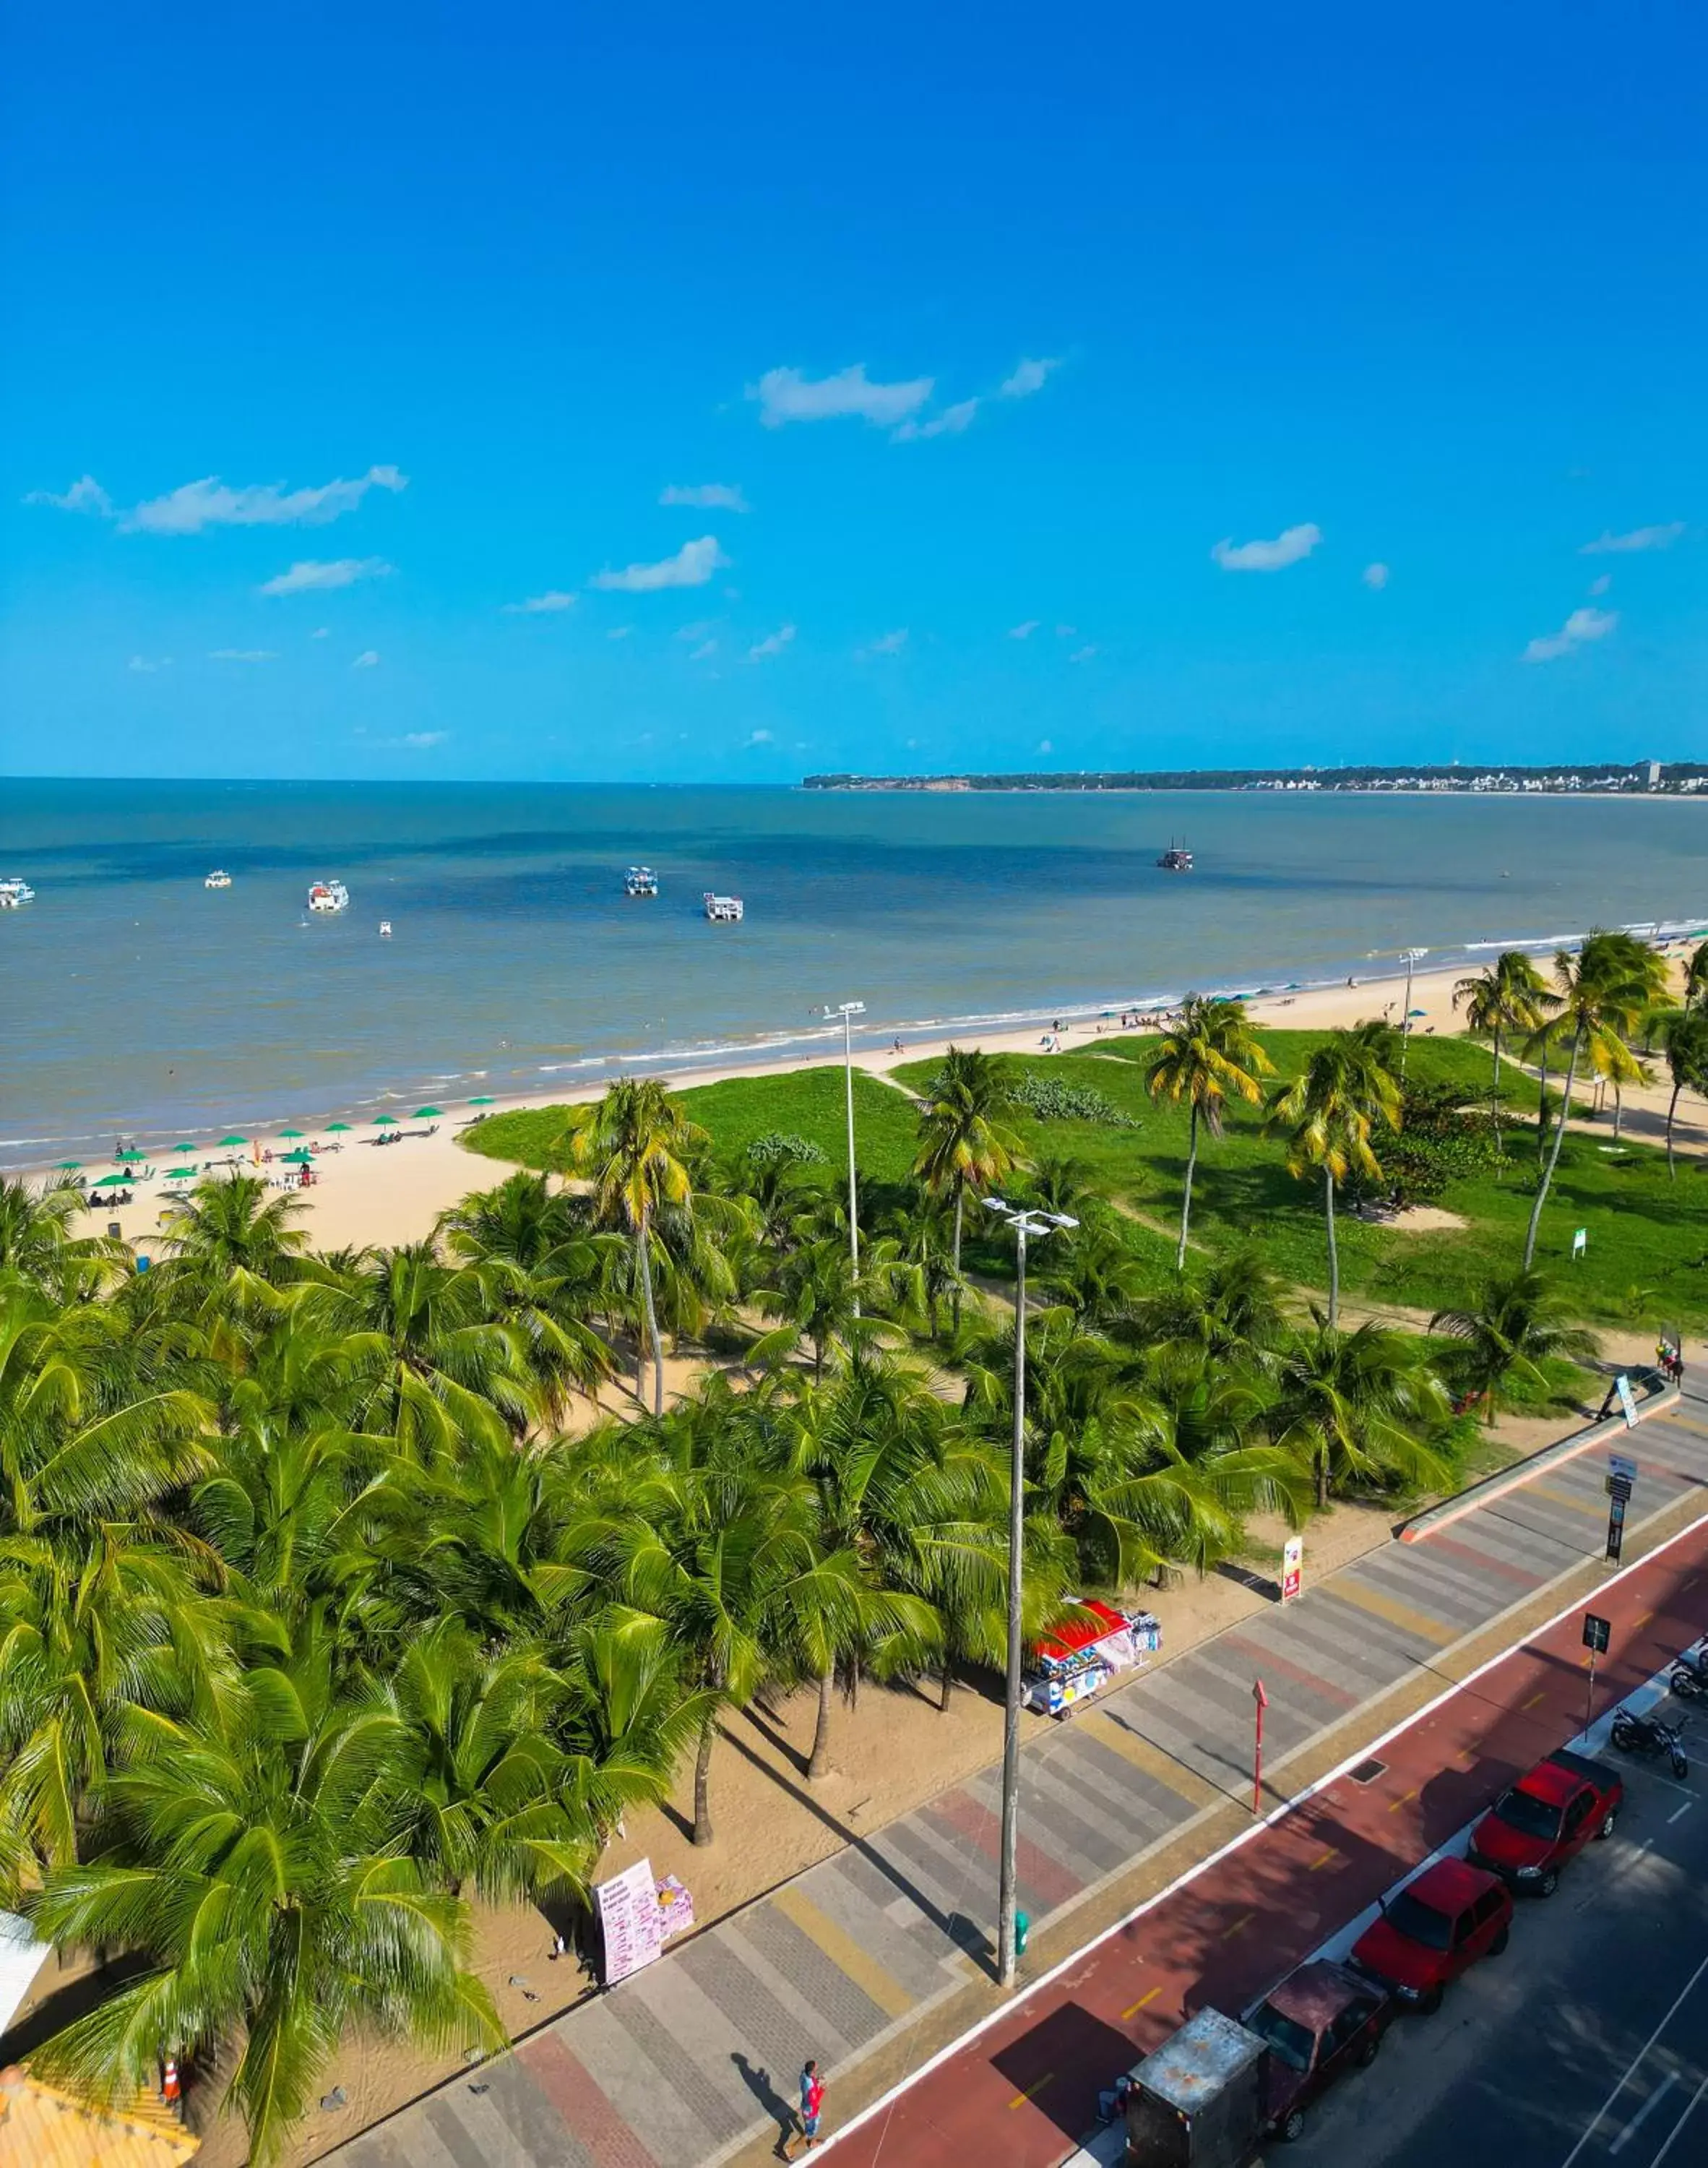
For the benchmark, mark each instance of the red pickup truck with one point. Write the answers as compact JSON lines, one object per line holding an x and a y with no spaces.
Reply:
{"x":1544,"y":1820}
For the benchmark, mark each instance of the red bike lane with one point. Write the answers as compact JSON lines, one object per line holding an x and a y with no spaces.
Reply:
{"x":1023,"y":2093}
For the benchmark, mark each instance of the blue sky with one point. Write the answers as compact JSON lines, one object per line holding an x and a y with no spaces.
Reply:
{"x":1152,"y":331}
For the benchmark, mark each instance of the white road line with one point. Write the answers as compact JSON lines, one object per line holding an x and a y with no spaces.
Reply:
{"x":1644,"y":2112}
{"x":1672,"y":2137}
{"x":1679,"y":1813}
{"x":1679,"y":2003}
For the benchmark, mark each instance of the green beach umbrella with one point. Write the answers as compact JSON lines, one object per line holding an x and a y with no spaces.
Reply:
{"x":298,"y":1158}
{"x":226,"y":1143}
{"x":293,"y":1133}
{"x":125,"y":1157}
{"x":108,"y":1181}
{"x":421,"y":1113}
{"x":483,"y":1099}
{"x":179,"y":1173}
{"x":69,"y":1166}
{"x":334,"y":1127}
{"x":183,"y":1144}
{"x":385,"y":1121}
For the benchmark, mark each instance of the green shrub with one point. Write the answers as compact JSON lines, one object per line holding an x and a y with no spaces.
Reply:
{"x":779,"y":1148}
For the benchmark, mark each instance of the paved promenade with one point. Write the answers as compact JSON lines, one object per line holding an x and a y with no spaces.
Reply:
{"x":696,"y":2058}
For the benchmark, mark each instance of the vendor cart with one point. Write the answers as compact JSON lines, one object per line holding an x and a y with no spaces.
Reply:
{"x":1071,"y":1663}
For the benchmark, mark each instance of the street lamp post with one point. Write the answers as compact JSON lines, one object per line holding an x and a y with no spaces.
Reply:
{"x":848,"y":1011}
{"x":1024,"y":1224}
{"x":1413,"y":957}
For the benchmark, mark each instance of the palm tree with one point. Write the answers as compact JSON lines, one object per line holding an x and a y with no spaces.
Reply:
{"x":633,"y":1145}
{"x":1685,"y":1037}
{"x":1360,"y":1407}
{"x":1603,"y":989}
{"x":230,"y":1235}
{"x":277,"y":1823}
{"x":1328,"y":1112}
{"x":1508,"y":995}
{"x":963,"y":1143}
{"x":1696,"y":977}
{"x":1212,"y":1051}
{"x":1513,"y":1333}
{"x":37,"y":1244}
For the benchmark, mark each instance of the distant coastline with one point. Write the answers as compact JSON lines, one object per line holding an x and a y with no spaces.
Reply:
{"x":1617,"y":779}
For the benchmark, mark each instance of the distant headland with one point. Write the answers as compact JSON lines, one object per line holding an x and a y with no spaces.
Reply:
{"x":1656,"y":778}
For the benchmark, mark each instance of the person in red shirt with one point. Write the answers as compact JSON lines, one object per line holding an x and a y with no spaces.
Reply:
{"x":812,"y":2105}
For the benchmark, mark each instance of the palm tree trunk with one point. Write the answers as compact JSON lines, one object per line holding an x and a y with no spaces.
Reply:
{"x":1543,"y":1186}
{"x":1618,"y":1108}
{"x":960,"y":1199}
{"x":946,"y":1684}
{"x":1322,"y":1475}
{"x":1671,"y":1110}
{"x":702,"y":1772}
{"x":1186,"y":1200}
{"x":819,"y":1762}
{"x":643,"y":1250}
{"x":1333,"y":1251}
{"x":1542,"y":1109}
{"x":1494,"y":1092}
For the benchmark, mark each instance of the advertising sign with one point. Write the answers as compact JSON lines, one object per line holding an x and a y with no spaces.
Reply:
{"x":1622,"y":1385}
{"x":1293,"y":1567}
{"x":630,"y":1915}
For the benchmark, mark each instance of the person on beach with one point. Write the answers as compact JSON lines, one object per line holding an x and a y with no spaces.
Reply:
{"x":811,"y":2106}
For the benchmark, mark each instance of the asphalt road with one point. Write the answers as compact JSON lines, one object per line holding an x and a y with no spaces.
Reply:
{"x":1583,"y":2046}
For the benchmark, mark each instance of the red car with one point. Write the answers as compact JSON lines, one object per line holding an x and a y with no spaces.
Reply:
{"x":1437,"y":1928}
{"x":1321,"y":2021}
{"x":1546,"y":1819}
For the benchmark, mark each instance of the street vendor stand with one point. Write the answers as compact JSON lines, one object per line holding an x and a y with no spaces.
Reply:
{"x":1071,"y":1663}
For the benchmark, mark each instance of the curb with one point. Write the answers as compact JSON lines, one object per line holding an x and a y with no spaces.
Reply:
{"x":1525,"y":1471}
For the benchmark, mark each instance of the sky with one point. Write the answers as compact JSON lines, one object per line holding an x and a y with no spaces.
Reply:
{"x":669,"y":393}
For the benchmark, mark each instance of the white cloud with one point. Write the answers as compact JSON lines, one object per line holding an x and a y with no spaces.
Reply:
{"x":692,"y":566}
{"x":1083,"y":654}
{"x":86,"y":494}
{"x":1599,"y":586}
{"x":1066,"y":631}
{"x":772,"y":644}
{"x":619,"y":632}
{"x":1023,"y":631}
{"x":1640,"y":538}
{"x":1288,"y":547}
{"x":785,"y":395}
{"x":145,"y":665}
{"x":321,"y":632}
{"x":1030,"y":376}
{"x":758,"y":738}
{"x":1582,"y":625}
{"x":210,"y":502}
{"x":887,"y":643}
{"x":553,"y":599}
{"x":707,"y":497}
{"x":1375,"y":575}
{"x":421,"y":740}
{"x":704,"y":652}
{"x":368,"y":659}
{"x":308,"y":575}
{"x":949,"y":423}
{"x":242,"y":655}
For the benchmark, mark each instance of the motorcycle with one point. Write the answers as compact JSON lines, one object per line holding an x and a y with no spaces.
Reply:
{"x":1689,"y":1678}
{"x":1647,"y":1734}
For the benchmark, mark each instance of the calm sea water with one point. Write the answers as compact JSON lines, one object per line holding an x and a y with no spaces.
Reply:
{"x":133,"y":998}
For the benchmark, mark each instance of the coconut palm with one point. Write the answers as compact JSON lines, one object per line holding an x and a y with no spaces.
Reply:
{"x":277,"y":1823}
{"x":633,"y":1145}
{"x":1684,"y":1034}
{"x":1235,"y":1312}
{"x":1507,"y":996}
{"x":234,"y":1240}
{"x":963,"y":1141}
{"x":1210,"y":1053}
{"x":1329,"y":1112}
{"x":1511,"y":1337}
{"x":37,"y":1244}
{"x":1360,"y":1409}
{"x":1603,"y":989}
{"x":1696,"y":977}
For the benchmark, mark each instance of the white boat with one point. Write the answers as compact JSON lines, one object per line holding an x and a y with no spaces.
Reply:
{"x":640,"y":881}
{"x":218,"y":879}
{"x":722,"y":910}
{"x":385,"y":929}
{"x":328,"y":895}
{"x":15,"y":892}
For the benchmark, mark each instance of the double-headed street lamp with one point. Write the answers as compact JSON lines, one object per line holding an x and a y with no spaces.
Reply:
{"x":848,"y":1011}
{"x":1025,"y":1224}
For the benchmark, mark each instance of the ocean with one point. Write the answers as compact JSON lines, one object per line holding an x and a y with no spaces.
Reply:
{"x":135,"y":999}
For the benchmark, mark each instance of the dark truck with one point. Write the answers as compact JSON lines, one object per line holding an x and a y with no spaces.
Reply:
{"x":1546,"y":1819}
{"x":1217,"y":2089}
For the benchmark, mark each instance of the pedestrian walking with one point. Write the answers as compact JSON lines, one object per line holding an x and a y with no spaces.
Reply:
{"x":812,"y":2105}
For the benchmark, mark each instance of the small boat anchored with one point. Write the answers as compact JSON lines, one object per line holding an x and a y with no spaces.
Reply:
{"x":385,"y":929}
{"x":14,"y":893}
{"x":1176,"y":859}
{"x":640,"y":881}
{"x":218,"y":879}
{"x":326,"y":896}
{"x":722,"y":910}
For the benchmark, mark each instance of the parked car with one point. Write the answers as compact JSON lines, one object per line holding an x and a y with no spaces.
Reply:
{"x":1546,"y":1819}
{"x":1321,"y":2021}
{"x":1437,"y":1928}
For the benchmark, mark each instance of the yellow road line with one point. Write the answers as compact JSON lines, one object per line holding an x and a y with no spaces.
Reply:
{"x":1395,"y":1805}
{"x":1536,"y":1698}
{"x":1397,"y":1614}
{"x":1019,"y":2100}
{"x":882,"y":1987}
{"x":1330,"y":1854}
{"x":1133,"y":2008}
{"x":1244,"y":1921}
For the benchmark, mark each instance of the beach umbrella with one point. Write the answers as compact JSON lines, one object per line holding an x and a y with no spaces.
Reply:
{"x":179,"y":1173}
{"x":108,"y":1181}
{"x":125,"y":1157}
{"x":299,"y":1159}
{"x":227,"y":1143}
{"x":385,"y":1121}
{"x":334,"y":1127}
{"x":293,"y":1133}
{"x":483,"y":1099}
{"x":69,"y":1166}
{"x":1412,"y":1012}
{"x":423,"y":1114}
{"x":183,"y":1144}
